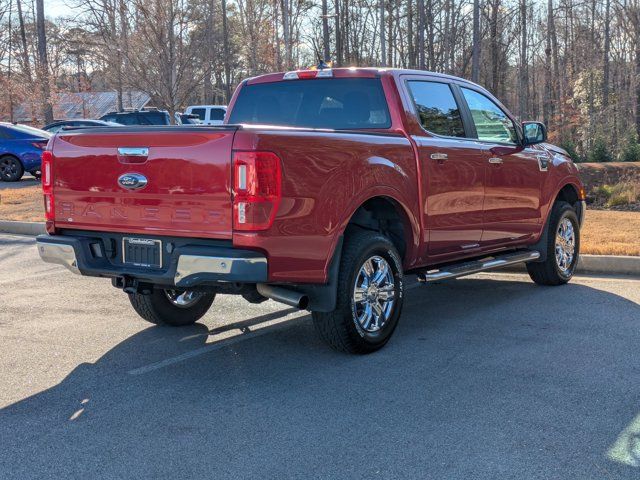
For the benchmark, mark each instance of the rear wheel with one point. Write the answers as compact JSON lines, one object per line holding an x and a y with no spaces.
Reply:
{"x":563,"y":248}
{"x":172,"y":307}
{"x":370,"y":296}
{"x":11,"y":170}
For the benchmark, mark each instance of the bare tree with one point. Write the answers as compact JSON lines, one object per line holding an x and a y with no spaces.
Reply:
{"x":475,"y":67}
{"x":43,"y":70}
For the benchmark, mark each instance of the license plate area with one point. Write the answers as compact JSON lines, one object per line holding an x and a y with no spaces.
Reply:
{"x":142,"y":252}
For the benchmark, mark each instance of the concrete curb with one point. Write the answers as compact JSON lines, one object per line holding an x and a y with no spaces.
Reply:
{"x":598,"y":264}
{"x":618,"y":264}
{"x":22,"y":228}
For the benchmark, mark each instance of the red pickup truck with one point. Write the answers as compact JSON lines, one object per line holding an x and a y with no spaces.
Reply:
{"x":322,"y":190}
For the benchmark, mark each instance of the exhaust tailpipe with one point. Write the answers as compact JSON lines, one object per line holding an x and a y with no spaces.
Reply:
{"x":283,"y":295}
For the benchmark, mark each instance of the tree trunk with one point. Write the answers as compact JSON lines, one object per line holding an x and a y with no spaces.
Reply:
{"x":47,"y":109}
{"x":383,"y":47}
{"x":286,"y":33}
{"x":429,"y":24}
{"x":607,"y":46}
{"x":325,"y":32}
{"x":546,"y":101}
{"x":25,"y":49}
{"x":475,"y":61}
{"x":421,"y":46}
{"x":495,"y":45}
{"x":524,"y":74}
{"x":338,"y":33}
{"x":638,"y":83}
{"x":225,"y":48}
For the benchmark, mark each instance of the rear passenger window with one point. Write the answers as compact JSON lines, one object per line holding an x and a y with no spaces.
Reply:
{"x":217,"y":114}
{"x":437,"y":109}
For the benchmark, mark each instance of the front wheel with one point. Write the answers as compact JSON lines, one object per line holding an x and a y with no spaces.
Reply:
{"x":563,"y":248}
{"x":172,"y":307}
{"x":370,"y":296}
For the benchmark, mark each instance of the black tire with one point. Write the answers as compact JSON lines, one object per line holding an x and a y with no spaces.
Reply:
{"x":549,"y":272}
{"x":157,"y":308}
{"x":340,"y":328}
{"x":11,"y":169}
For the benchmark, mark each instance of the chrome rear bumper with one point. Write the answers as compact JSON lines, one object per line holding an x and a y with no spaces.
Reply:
{"x":185,"y":266}
{"x":60,"y":254}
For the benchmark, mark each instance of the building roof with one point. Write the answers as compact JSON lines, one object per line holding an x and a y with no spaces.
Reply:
{"x":81,"y":105}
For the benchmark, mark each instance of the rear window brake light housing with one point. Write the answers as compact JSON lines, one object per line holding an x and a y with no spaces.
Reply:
{"x":307,"y":74}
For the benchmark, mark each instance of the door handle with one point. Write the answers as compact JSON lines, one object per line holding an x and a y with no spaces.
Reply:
{"x":495,"y":160}
{"x":441,"y":157}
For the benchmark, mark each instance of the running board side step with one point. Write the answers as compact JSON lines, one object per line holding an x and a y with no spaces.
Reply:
{"x":475,"y":266}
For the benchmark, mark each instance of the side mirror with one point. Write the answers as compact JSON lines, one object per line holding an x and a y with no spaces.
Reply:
{"x":534,"y":132}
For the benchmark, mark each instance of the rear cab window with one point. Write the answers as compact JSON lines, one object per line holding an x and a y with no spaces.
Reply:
{"x":437,"y":109}
{"x":331,"y":103}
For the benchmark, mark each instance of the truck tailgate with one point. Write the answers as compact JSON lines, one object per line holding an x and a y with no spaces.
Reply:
{"x":151,"y":180}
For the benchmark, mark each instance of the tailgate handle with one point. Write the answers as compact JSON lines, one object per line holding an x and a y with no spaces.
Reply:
{"x":133,"y":154}
{"x":133,"y":151}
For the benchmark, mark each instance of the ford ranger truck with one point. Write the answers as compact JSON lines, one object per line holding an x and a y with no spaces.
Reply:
{"x":323,"y":190}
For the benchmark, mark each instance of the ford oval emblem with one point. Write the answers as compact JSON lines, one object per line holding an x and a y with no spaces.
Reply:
{"x":132,"y":181}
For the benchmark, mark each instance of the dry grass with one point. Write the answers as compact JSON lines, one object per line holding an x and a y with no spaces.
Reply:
{"x":605,"y":232}
{"x":23,"y":204}
{"x":611,"y":233}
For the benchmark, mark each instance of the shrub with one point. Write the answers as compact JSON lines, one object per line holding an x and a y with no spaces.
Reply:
{"x":631,"y":150}
{"x":623,"y":193}
{"x":603,"y":191}
{"x":599,"y":152}
{"x":570,"y":147}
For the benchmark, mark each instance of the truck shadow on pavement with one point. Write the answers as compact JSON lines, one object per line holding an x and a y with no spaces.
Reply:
{"x":483,"y":379}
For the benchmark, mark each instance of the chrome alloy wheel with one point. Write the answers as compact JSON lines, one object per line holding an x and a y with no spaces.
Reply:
{"x":565,"y":245}
{"x":374,"y":294}
{"x":182,"y":299}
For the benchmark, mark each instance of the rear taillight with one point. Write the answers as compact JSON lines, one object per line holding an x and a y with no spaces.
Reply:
{"x":257,"y":178}
{"x":39,"y":145}
{"x":47,"y":184}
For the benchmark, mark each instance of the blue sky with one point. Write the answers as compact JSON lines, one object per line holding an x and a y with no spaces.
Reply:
{"x":55,"y":8}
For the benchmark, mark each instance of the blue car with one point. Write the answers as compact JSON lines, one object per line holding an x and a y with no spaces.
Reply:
{"x":21,"y":149}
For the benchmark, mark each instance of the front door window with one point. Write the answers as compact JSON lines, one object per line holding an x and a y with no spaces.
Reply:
{"x":492,"y":124}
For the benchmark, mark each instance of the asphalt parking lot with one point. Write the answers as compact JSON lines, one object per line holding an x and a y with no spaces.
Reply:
{"x":486,"y":377}
{"x":26,"y":181}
